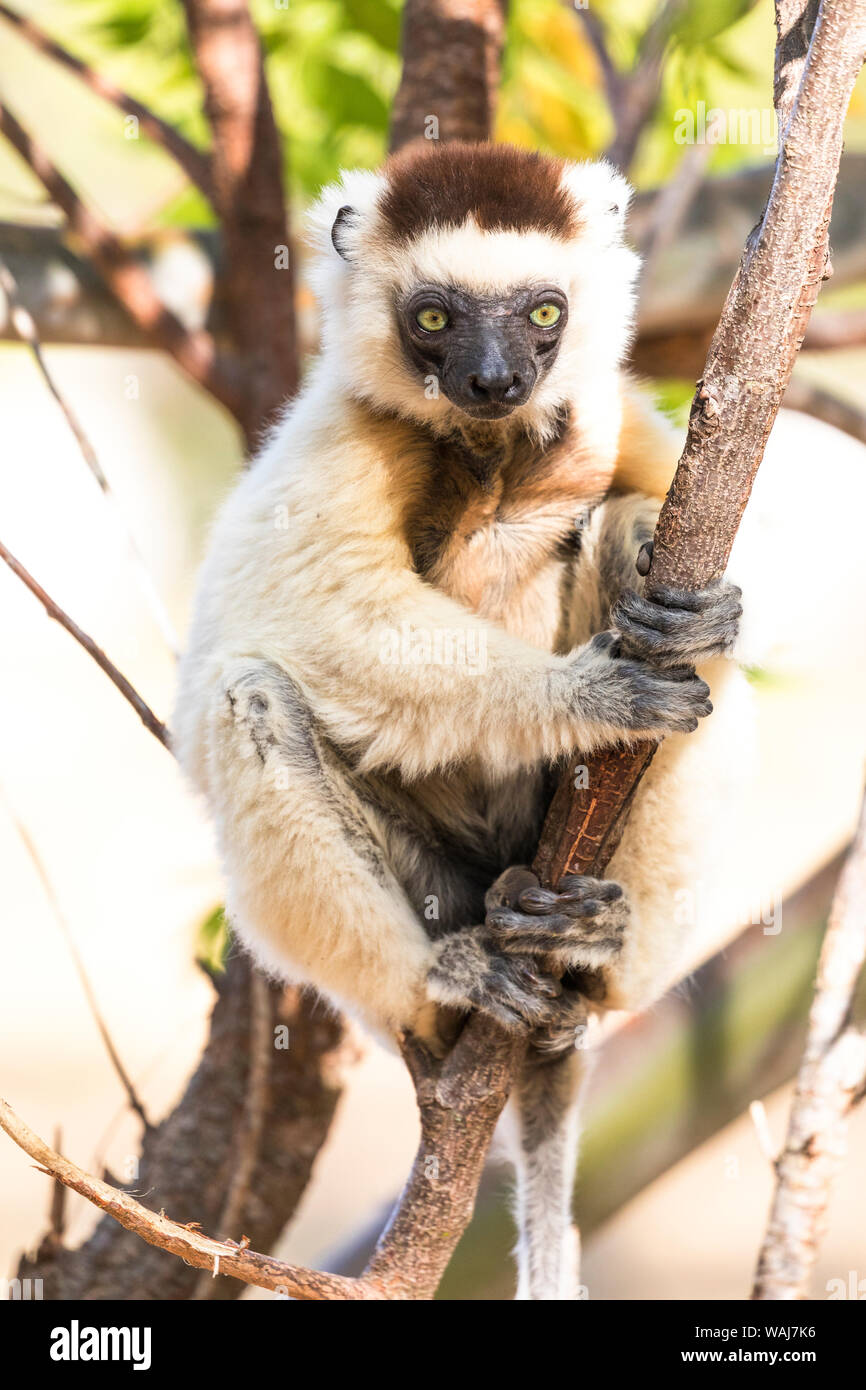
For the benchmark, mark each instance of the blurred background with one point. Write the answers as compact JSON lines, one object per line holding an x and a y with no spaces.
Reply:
{"x":102,"y":846}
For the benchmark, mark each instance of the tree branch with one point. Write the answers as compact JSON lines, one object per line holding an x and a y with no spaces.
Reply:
{"x":795,"y":25}
{"x":831,"y":1080}
{"x":748,"y":369}
{"x":632,"y":95}
{"x":256,"y":279}
{"x":824,"y":405}
{"x":127,"y":690}
{"x":194,"y":350}
{"x":451,"y":55}
{"x":750,"y":362}
{"x":195,"y":163}
{"x":23,"y":323}
{"x":135,"y":1102}
{"x":199,"y":1251}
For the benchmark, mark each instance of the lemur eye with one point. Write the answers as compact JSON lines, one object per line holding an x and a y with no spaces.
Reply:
{"x":545,"y":315}
{"x":431,"y":320}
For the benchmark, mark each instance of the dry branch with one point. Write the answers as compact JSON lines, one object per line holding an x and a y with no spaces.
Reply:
{"x":195,"y":163}
{"x":193,"y":349}
{"x":22,"y":321}
{"x":135,"y":1102}
{"x":127,"y":690}
{"x":198,"y":1251}
{"x":831,"y":1080}
{"x":240,"y":1146}
{"x":632,"y":95}
{"x":189,"y":1160}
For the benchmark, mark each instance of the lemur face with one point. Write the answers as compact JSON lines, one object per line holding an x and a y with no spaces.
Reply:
{"x":486,"y":351}
{"x":475,"y":283}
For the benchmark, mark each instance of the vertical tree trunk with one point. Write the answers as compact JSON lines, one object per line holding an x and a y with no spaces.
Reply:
{"x":451,"y":57}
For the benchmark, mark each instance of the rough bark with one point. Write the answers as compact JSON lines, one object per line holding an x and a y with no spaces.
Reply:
{"x":747,"y":372}
{"x":451,"y":56}
{"x":247,"y":178}
{"x":188,"y":1162}
{"x":831,"y":1080}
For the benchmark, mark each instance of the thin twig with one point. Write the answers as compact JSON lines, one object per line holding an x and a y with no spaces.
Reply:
{"x":89,"y":993}
{"x":25,"y":327}
{"x":195,"y":163}
{"x":201,"y":1251}
{"x":128,"y":691}
{"x":831,"y":1080}
{"x":193,"y":349}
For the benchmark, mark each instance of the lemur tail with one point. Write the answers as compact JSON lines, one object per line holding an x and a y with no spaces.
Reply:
{"x":544,"y":1109}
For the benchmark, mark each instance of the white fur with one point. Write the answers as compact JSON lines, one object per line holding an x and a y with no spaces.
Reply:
{"x":308,"y":563}
{"x":596,"y":272}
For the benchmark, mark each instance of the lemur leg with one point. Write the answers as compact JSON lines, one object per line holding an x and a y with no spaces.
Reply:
{"x":581,"y":927}
{"x":313,"y":889}
{"x":543,"y":1121}
{"x":312,"y":893}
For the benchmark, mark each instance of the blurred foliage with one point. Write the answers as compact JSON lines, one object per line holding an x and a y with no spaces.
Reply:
{"x":212,"y":942}
{"x":334,"y":65}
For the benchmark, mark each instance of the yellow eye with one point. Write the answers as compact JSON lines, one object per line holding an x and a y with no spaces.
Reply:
{"x":545,"y":315}
{"x":432,"y":320}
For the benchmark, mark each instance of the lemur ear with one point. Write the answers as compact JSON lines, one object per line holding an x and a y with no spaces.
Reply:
{"x":602,"y":196}
{"x":343,"y":214}
{"x":343,"y":225}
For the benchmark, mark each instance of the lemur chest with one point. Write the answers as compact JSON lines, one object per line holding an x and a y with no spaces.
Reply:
{"x":500,"y":535}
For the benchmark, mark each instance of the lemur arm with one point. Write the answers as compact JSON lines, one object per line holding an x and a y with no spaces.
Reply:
{"x":368,"y":638}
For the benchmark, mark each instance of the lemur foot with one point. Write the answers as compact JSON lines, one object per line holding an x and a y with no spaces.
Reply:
{"x":565,"y":1032}
{"x":578,"y":928}
{"x":471,"y":972}
{"x":676,"y":627}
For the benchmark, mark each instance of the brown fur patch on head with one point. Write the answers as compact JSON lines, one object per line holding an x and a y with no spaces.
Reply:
{"x":503,"y":188}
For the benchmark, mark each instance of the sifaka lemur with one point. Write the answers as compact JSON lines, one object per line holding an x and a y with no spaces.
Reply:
{"x":421,"y":598}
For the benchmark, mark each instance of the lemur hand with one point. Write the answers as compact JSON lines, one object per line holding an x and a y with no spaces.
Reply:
{"x":472,"y":972}
{"x":676,"y":626}
{"x":580,"y":927}
{"x":635,"y":696}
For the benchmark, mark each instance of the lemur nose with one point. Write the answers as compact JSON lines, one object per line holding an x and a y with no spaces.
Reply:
{"x":493,"y":385}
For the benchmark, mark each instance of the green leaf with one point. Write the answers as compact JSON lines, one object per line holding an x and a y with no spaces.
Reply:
{"x":213,"y":941}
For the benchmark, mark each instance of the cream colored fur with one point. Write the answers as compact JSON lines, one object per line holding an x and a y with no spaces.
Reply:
{"x":309,"y":565}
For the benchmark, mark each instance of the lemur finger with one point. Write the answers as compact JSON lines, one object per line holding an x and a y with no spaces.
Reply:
{"x":609,"y":642}
{"x":644,"y":558}
{"x":664,"y":635}
{"x":507,"y":924}
{"x":720,"y":594}
{"x":573,"y":889}
{"x":654,"y":612}
{"x":670,"y":705}
{"x":506,"y":890}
